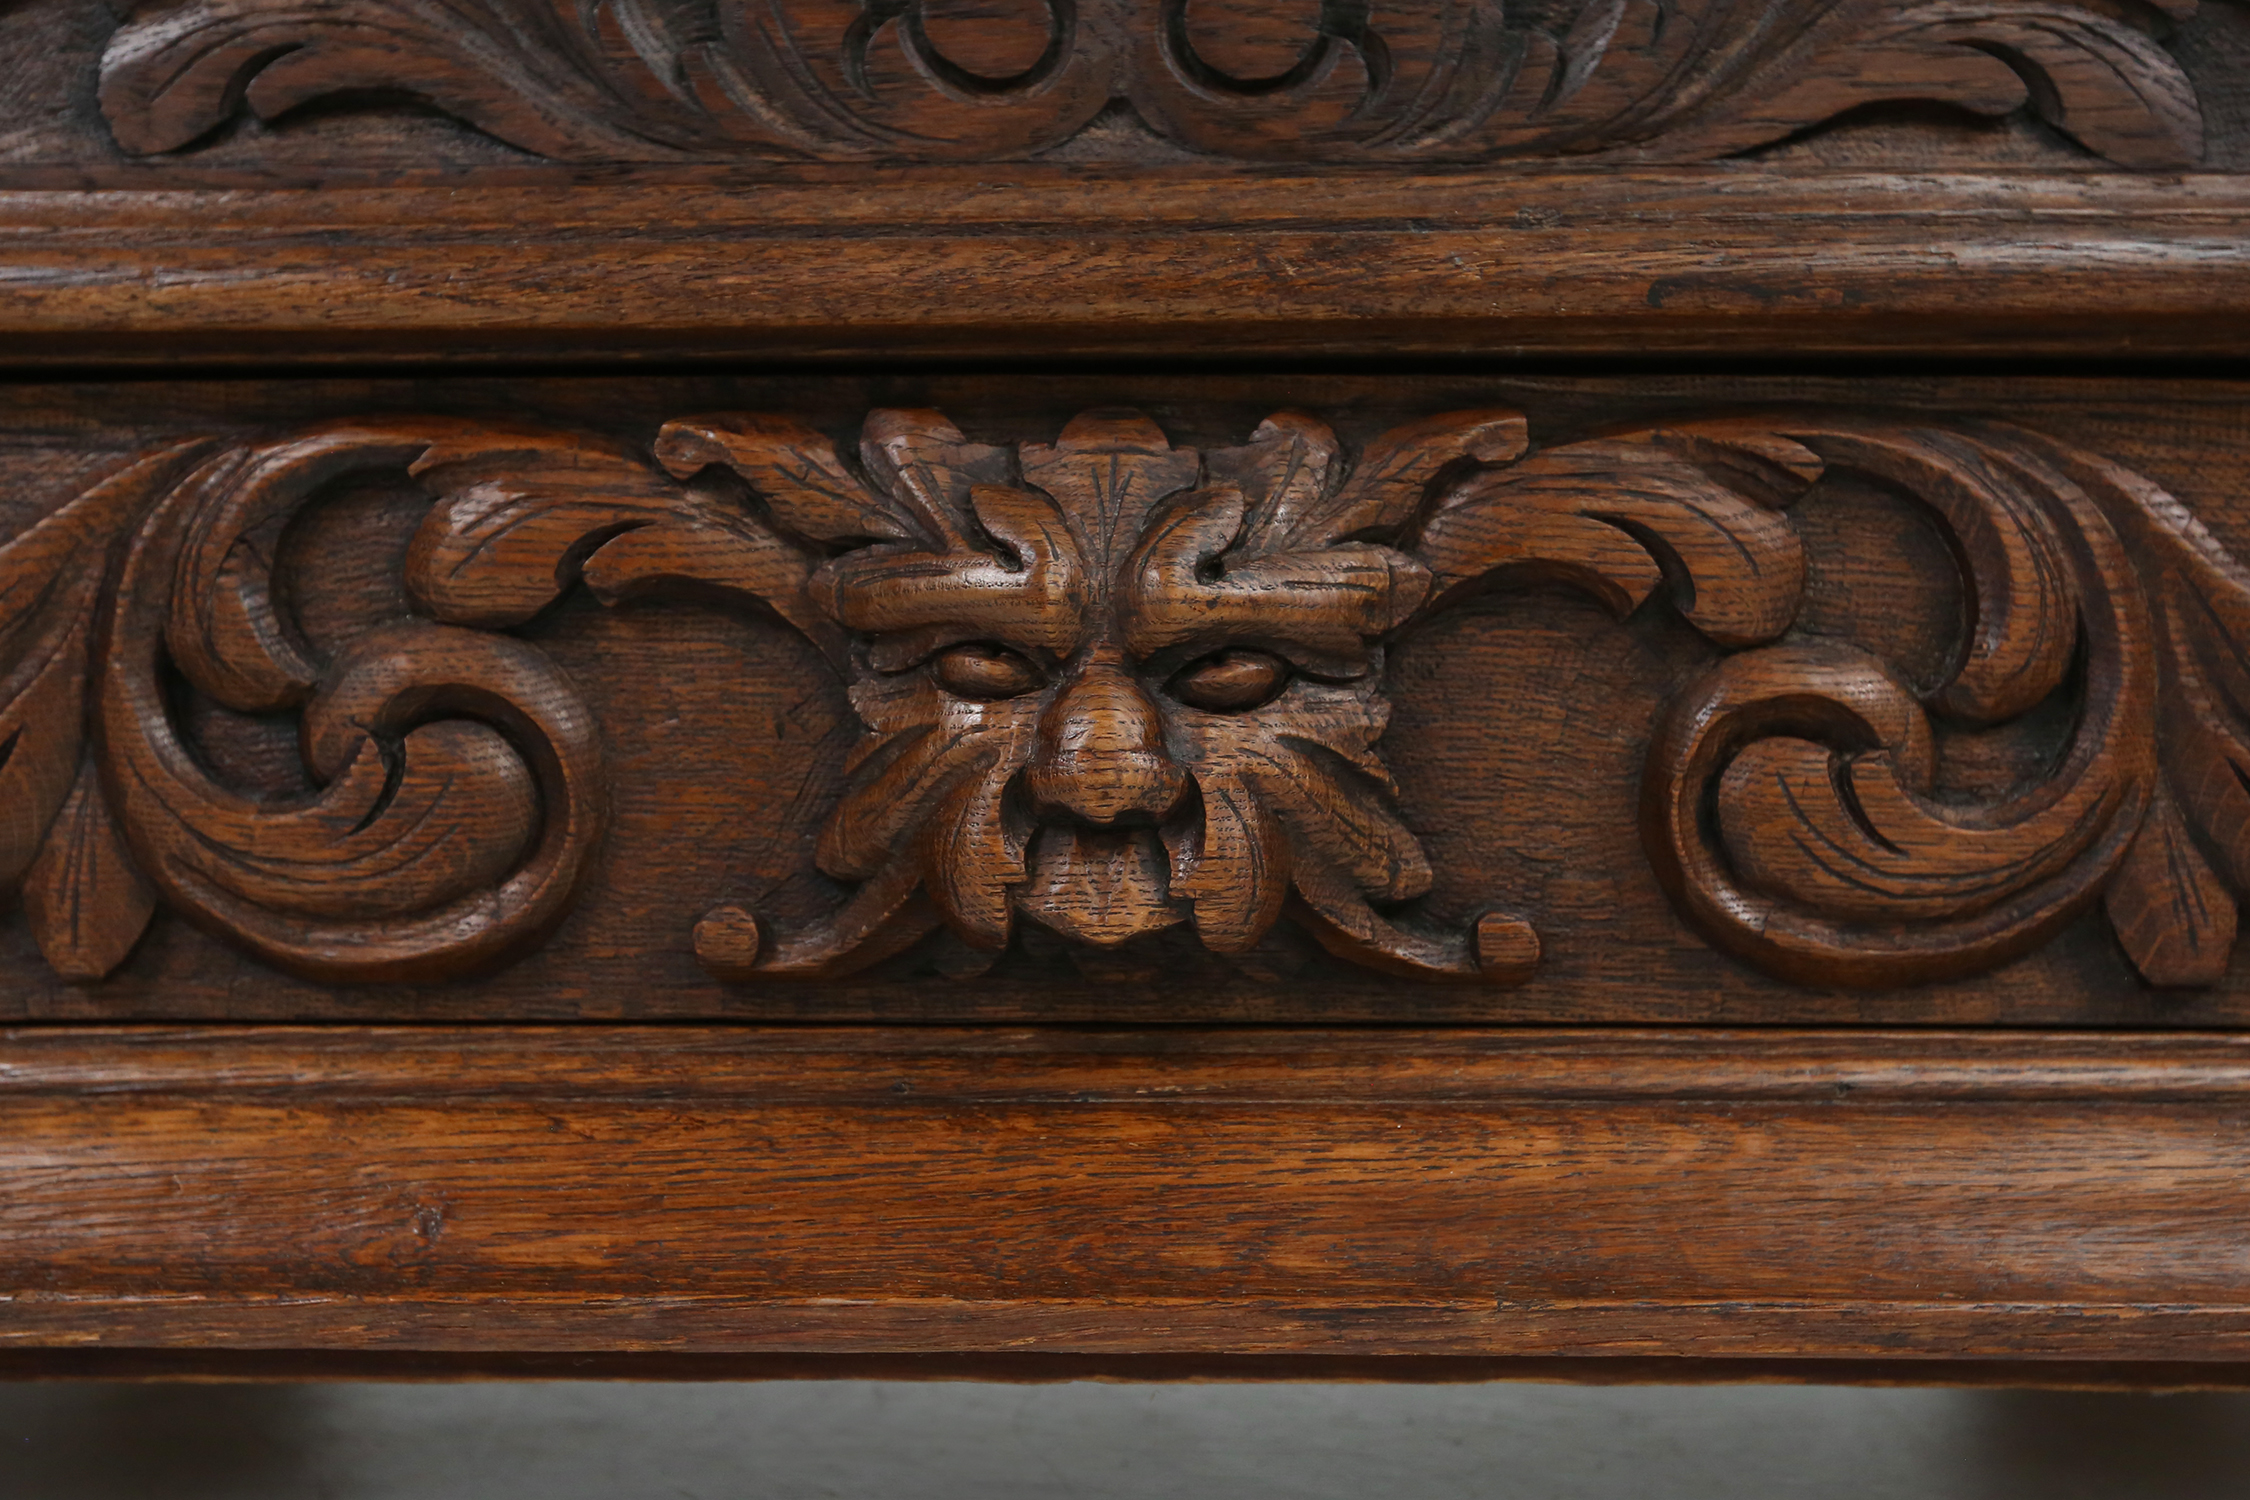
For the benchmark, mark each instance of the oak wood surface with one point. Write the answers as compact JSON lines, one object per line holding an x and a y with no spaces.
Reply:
{"x":341,"y":89}
{"x":1474,"y":697}
{"x":109,"y":1363}
{"x":1526,"y":728}
{"x":1731,"y":260}
{"x":1845,"y":1195}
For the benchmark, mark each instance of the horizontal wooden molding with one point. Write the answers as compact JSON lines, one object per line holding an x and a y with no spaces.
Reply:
{"x":1823,"y":1196}
{"x":1492,"y":265}
{"x":956,"y":1066}
{"x":111,"y":1362}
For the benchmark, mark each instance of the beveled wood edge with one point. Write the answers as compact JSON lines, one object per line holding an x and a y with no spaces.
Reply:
{"x":1031,"y":1064}
{"x":126,"y":1082}
{"x":1308,"y":1325}
{"x":1076,"y":265}
{"x":97,"y":1363}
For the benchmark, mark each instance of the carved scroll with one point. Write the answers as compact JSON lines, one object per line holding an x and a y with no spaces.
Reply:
{"x":459,"y":777}
{"x":1110,"y":687}
{"x":1789,"y":798}
{"x":1437,"y":80}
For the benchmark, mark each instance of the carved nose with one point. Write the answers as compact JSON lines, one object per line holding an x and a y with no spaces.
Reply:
{"x":1101,"y":752}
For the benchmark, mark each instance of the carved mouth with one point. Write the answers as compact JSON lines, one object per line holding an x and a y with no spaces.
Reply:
{"x":1098,"y":885}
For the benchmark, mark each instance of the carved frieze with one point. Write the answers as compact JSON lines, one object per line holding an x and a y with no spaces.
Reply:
{"x":1289,"y":80}
{"x":1108,"y":687}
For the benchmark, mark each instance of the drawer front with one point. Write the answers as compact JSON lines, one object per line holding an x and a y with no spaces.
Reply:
{"x":1637,"y":810}
{"x":1003,"y":699}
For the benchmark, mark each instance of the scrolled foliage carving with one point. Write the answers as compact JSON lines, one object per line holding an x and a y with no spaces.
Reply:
{"x":1108,"y":686}
{"x":1298,"y":80}
{"x":459,"y":779}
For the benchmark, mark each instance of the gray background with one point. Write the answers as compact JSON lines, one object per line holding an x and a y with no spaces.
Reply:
{"x":584,"y":1441}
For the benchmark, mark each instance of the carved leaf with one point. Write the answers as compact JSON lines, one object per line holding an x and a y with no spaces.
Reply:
{"x":1283,"y":473}
{"x":2208,"y":742}
{"x":1032,"y":592}
{"x":976,"y":852}
{"x":2174,"y":917}
{"x":1108,"y":471}
{"x":637,"y":80}
{"x":1608,"y":516}
{"x":410,"y":862}
{"x":924,"y":469}
{"x":790,"y":466}
{"x":892,"y":794}
{"x":1198,"y":584}
{"x":1837,"y":864}
{"x":1339,"y":824}
{"x":521,"y":516}
{"x":1501,"y":950}
{"x":2106,"y":83}
{"x":177,"y":71}
{"x":1392,"y":478}
{"x":2023,"y":629}
{"x":2200,"y":598}
{"x":1232,"y":865}
{"x":225,"y":633}
{"x":41,"y":729}
{"x":50,"y":577}
{"x":461,"y":790}
{"x":1855,"y":841}
{"x":87,"y":901}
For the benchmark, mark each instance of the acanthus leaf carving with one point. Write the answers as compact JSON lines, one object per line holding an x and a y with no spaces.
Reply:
{"x":459,"y":778}
{"x":87,"y":900}
{"x":459,"y":786}
{"x":2171,"y":912}
{"x":1831,"y":859}
{"x":1436,"y":80}
{"x":1108,"y":686}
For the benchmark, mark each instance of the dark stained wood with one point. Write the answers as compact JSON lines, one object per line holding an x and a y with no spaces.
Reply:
{"x":1241,"y":706}
{"x":196,"y":90}
{"x":100,"y":1363}
{"x":1570,"y":263}
{"x":1664,"y":80}
{"x":1873,"y":702}
{"x":1688,"y":1194}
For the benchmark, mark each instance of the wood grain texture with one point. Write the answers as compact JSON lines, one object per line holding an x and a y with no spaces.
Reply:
{"x":1109,"y":686}
{"x":1772,"y":1195}
{"x":363,"y":724}
{"x":1133,"y":697}
{"x":1574,"y":264}
{"x":1663,"y":80}
{"x":53,"y":127}
{"x":97,"y":1362}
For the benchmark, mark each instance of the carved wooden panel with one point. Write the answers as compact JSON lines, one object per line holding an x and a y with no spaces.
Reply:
{"x":380,"y":87}
{"x":1447,"y":695}
{"x":1353,"y":698}
{"x":1295,"y":79}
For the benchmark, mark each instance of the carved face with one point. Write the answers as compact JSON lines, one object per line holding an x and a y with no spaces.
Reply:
{"x":1111,"y":686}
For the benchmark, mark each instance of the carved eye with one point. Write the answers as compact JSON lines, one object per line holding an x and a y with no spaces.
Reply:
{"x":980,"y":669}
{"x":1229,"y":682}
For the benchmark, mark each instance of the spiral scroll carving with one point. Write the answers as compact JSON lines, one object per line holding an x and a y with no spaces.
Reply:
{"x":1789,"y":796}
{"x":1108,"y":686}
{"x":460,"y":786}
